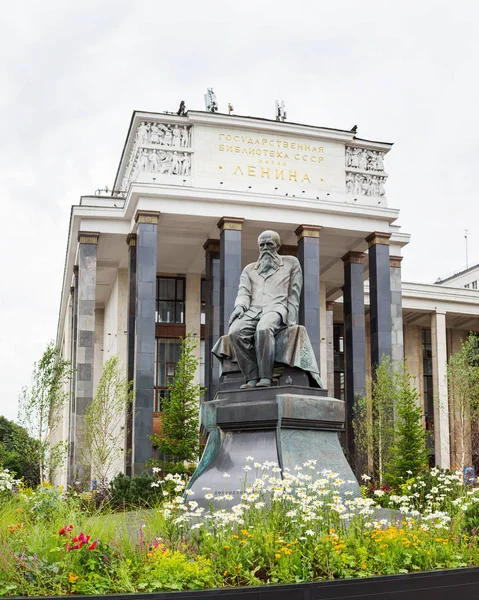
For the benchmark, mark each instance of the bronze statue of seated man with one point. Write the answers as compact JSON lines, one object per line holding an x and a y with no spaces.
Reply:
{"x":267,"y":302}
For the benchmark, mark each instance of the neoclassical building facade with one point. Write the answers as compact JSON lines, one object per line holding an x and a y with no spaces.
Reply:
{"x":162,"y":255}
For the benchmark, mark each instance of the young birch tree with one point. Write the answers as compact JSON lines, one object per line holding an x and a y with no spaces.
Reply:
{"x":373,"y":419}
{"x":40,"y":409}
{"x":103,"y":430}
{"x":463,"y":384}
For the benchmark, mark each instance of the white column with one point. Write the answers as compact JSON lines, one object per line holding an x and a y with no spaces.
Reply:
{"x":441,"y":404}
{"x":329,"y":329}
{"x":193,"y":312}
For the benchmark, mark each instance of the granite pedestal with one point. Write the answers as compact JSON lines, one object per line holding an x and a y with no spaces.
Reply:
{"x":286,"y":424}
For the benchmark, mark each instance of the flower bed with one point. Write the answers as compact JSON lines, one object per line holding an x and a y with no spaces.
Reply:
{"x":285,"y":528}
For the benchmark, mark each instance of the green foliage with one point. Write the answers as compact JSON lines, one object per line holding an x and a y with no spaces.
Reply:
{"x":408,"y":454}
{"x":179,"y":437}
{"x":167,"y":570}
{"x":14,"y":454}
{"x":297,"y":534}
{"x":463,"y":383}
{"x":128,"y":492}
{"x":40,"y":409}
{"x":471,"y":519}
{"x":373,"y":415}
{"x":103,"y":433}
{"x":44,"y":503}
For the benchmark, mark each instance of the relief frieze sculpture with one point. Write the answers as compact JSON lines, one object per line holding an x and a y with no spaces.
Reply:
{"x":159,"y":148}
{"x":365,"y":172}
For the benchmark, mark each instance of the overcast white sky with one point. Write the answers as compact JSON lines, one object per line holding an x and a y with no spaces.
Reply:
{"x":71,"y":73}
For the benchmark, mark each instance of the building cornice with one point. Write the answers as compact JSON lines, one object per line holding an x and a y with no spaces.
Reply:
{"x":244,"y":122}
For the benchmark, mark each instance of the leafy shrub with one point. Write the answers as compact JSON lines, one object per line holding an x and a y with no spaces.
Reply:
{"x":471,"y":519}
{"x":8,"y":483}
{"x":173,"y":570}
{"x":45,"y":502}
{"x":134,"y":491}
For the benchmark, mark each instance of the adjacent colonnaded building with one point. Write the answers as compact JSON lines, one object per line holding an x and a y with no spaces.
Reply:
{"x":163,"y":254}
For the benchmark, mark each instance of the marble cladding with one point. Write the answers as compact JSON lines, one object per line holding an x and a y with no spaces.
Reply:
{"x":230,"y":272}
{"x":441,"y":403}
{"x":355,"y":341}
{"x":397,"y":337}
{"x":85,"y":353}
{"x":144,"y":344}
{"x":130,"y":351}
{"x":380,"y":302}
{"x":212,"y":324}
{"x":308,"y":255}
{"x":193,"y":313}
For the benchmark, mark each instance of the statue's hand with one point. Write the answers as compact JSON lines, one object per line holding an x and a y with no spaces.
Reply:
{"x":236,"y":314}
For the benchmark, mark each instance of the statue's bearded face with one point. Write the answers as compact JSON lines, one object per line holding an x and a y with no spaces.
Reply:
{"x":268,"y":252}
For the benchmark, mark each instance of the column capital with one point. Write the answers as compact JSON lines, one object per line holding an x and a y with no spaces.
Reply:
{"x":378,"y":238}
{"x":234,"y":223}
{"x":395,"y":261}
{"x":147,"y":217}
{"x":307,"y":231}
{"x":131,"y":239}
{"x":329,"y":306}
{"x":285,"y":250}
{"x":211,"y":245}
{"x":354,"y":258}
{"x":88,"y":237}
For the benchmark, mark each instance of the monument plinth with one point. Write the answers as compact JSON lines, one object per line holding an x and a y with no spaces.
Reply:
{"x":271,"y":404}
{"x":288,"y":425}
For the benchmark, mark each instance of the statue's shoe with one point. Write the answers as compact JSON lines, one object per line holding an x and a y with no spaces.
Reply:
{"x":263,"y":382}
{"x":249,"y":384}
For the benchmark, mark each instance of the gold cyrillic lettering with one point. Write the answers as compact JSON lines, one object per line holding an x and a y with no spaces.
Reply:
{"x":279,"y":174}
{"x":305,"y":178}
{"x":251,"y":171}
{"x":265,"y":172}
{"x":238,"y":171}
{"x":292,"y":175}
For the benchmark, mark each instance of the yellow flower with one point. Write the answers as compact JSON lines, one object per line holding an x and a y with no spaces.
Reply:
{"x":363,"y":567}
{"x":278,"y":555}
{"x":244,"y":531}
{"x":72,"y":577}
{"x":225,"y":573}
{"x":235,"y":537}
{"x":226,"y":547}
{"x":20,"y":510}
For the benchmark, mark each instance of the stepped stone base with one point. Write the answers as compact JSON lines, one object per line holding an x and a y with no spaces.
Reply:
{"x":288,"y":425}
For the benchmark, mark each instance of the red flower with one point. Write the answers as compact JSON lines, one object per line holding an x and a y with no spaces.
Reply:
{"x":93,"y":545}
{"x":63,"y":530}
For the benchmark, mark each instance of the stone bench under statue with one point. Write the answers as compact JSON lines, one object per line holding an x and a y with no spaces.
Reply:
{"x":294,"y":360}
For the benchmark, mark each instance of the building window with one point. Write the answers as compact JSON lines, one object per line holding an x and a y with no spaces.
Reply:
{"x":339,"y":376}
{"x":474,"y":285}
{"x":467,"y":285}
{"x":167,"y":355}
{"x":203,"y":302}
{"x":170,"y":299}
